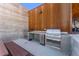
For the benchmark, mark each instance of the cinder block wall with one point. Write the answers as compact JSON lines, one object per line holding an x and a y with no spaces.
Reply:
{"x":13,"y":21}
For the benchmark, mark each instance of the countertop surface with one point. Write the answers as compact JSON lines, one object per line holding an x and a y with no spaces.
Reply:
{"x":38,"y":32}
{"x":74,"y":33}
{"x":75,"y":37}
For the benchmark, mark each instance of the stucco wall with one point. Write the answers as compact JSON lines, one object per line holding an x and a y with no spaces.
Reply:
{"x":13,"y":21}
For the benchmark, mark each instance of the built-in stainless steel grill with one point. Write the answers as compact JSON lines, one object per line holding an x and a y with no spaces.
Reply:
{"x":53,"y":34}
{"x":53,"y":38}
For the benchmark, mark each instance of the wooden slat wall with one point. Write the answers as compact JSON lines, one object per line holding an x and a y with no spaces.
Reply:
{"x":45,"y":17}
{"x":75,"y":10}
{"x":49,"y":15}
{"x":32,"y":20}
{"x":66,"y":17}
{"x":56,"y":15}
{"x":39,"y":19}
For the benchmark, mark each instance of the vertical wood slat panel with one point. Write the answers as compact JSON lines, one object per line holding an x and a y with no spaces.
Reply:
{"x":35,"y":19}
{"x":45,"y":18}
{"x":48,"y":20}
{"x":75,"y":10}
{"x":39,"y":18}
{"x":32,"y":20}
{"x":51,"y":17}
{"x":66,"y":17}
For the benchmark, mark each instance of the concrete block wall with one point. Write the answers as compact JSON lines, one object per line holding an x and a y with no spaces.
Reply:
{"x":13,"y":21}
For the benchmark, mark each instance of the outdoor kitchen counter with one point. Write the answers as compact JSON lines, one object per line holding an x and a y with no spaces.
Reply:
{"x":75,"y":44}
